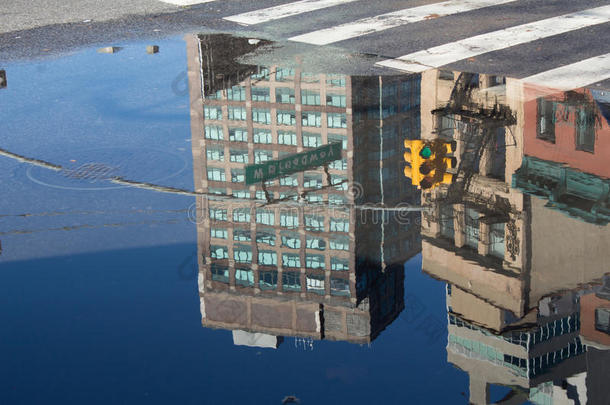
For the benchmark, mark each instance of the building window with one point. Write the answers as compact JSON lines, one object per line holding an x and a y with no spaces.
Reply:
{"x":265,"y":217}
{"x":267,"y":280}
{"x":339,"y":225}
{"x":336,"y":199}
{"x":241,"y":194}
{"x":267,"y":258}
{"x":335,"y":80}
{"x":340,"y":164}
{"x":602,"y":319}
{"x":244,"y":277}
{"x":219,"y":233}
{"x":291,"y":281}
{"x":238,"y":135}
{"x":291,"y":181}
{"x":445,"y":75}
{"x":236,"y":93}
{"x":340,"y":287}
{"x":315,"y":243}
{"x":262,"y":136}
{"x":260,"y":94}
{"x":334,"y":138}
{"x":286,"y":118}
{"x":471,"y":218}
{"x":312,"y":140}
{"x":310,"y":97}
{"x":284,"y":74}
{"x":219,"y":252}
{"x":267,"y":238}
{"x":284,"y":95}
{"x":261,"y":116}
{"x":212,"y":112}
{"x":340,"y":182}
{"x":309,"y":77}
{"x":289,"y":220}
{"x":261,"y":156}
{"x":447,"y":226}
{"x":338,"y":264}
{"x":496,"y":240}
{"x":314,"y":223}
{"x":242,"y":254}
{"x":241,"y":235}
{"x":312,"y":180}
{"x":263,"y":74}
{"x":336,"y":120}
{"x":314,"y":261}
{"x":291,"y":260}
{"x":237,"y":175}
{"x":311,"y":119}
{"x":335,"y":100}
{"x":546,"y":120}
{"x":286,"y":138}
{"x":241,"y":215}
{"x":237,"y":113}
{"x":290,"y":240}
{"x":213,"y":132}
{"x":315,"y":284}
{"x":218,"y":214}
{"x":217,"y":154}
{"x":314,"y":198}
{"x":238,"y":156}
{"x":339,"y":243}
{"x":216,"y":174}
{"x":220,"y":273}
{"x":585,"y":130}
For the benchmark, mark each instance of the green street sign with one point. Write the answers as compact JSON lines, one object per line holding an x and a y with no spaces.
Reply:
{"x":291,"y":164}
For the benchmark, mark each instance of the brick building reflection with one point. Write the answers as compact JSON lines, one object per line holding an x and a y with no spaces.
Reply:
{"x":312,"y":263}
{"x":520,"y":231}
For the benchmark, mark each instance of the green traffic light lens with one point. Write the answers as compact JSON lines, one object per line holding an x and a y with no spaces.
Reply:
{"x":425,"y":152}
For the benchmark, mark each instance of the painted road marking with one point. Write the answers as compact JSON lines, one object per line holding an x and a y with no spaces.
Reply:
{"x":575,"y":75}
{"x":394,"y":19}
{"x":185,"y":2}
{"x":283,"y":11}
{"x":493,"y":41}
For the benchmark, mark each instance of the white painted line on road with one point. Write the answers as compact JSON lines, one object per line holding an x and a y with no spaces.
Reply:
{"x":185,"y":2}
{"x":392,"y":20}
{"x":493,"y":41}
{"x":574,"y":76}
{"x":283,"y":11}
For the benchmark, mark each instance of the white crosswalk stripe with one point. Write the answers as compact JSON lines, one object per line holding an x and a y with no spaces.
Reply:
{"x":186,"y":2}
{"x":575,"y":75}
{"x":392,"y":20}
{"x":493,"y":41}
{"x":283,"y":11}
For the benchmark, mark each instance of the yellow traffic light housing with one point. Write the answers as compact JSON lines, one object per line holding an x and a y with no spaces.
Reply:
{"x":427,"y":162}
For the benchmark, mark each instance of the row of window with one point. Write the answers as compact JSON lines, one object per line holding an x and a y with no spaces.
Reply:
{"x":313,"y":197}
{"x":288,"y":74}
{"x":283,"y":95}
{"x":243,"y":254}
{"x":291,"y":280}
{"x":289,"y":240}
{"x":288,"y":220}
{"x":264,"y":136}
{"x":263,"y":116}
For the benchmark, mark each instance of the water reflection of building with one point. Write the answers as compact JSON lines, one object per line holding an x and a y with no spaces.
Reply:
{"x":491,"y":240}
{"x":314,"y":264}
{"x":493,"y":237}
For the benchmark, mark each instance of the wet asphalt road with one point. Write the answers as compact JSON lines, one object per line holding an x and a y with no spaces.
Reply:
{"x":38,"y":30}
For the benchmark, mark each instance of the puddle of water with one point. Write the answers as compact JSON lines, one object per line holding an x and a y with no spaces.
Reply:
{"x":466,"y":214}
